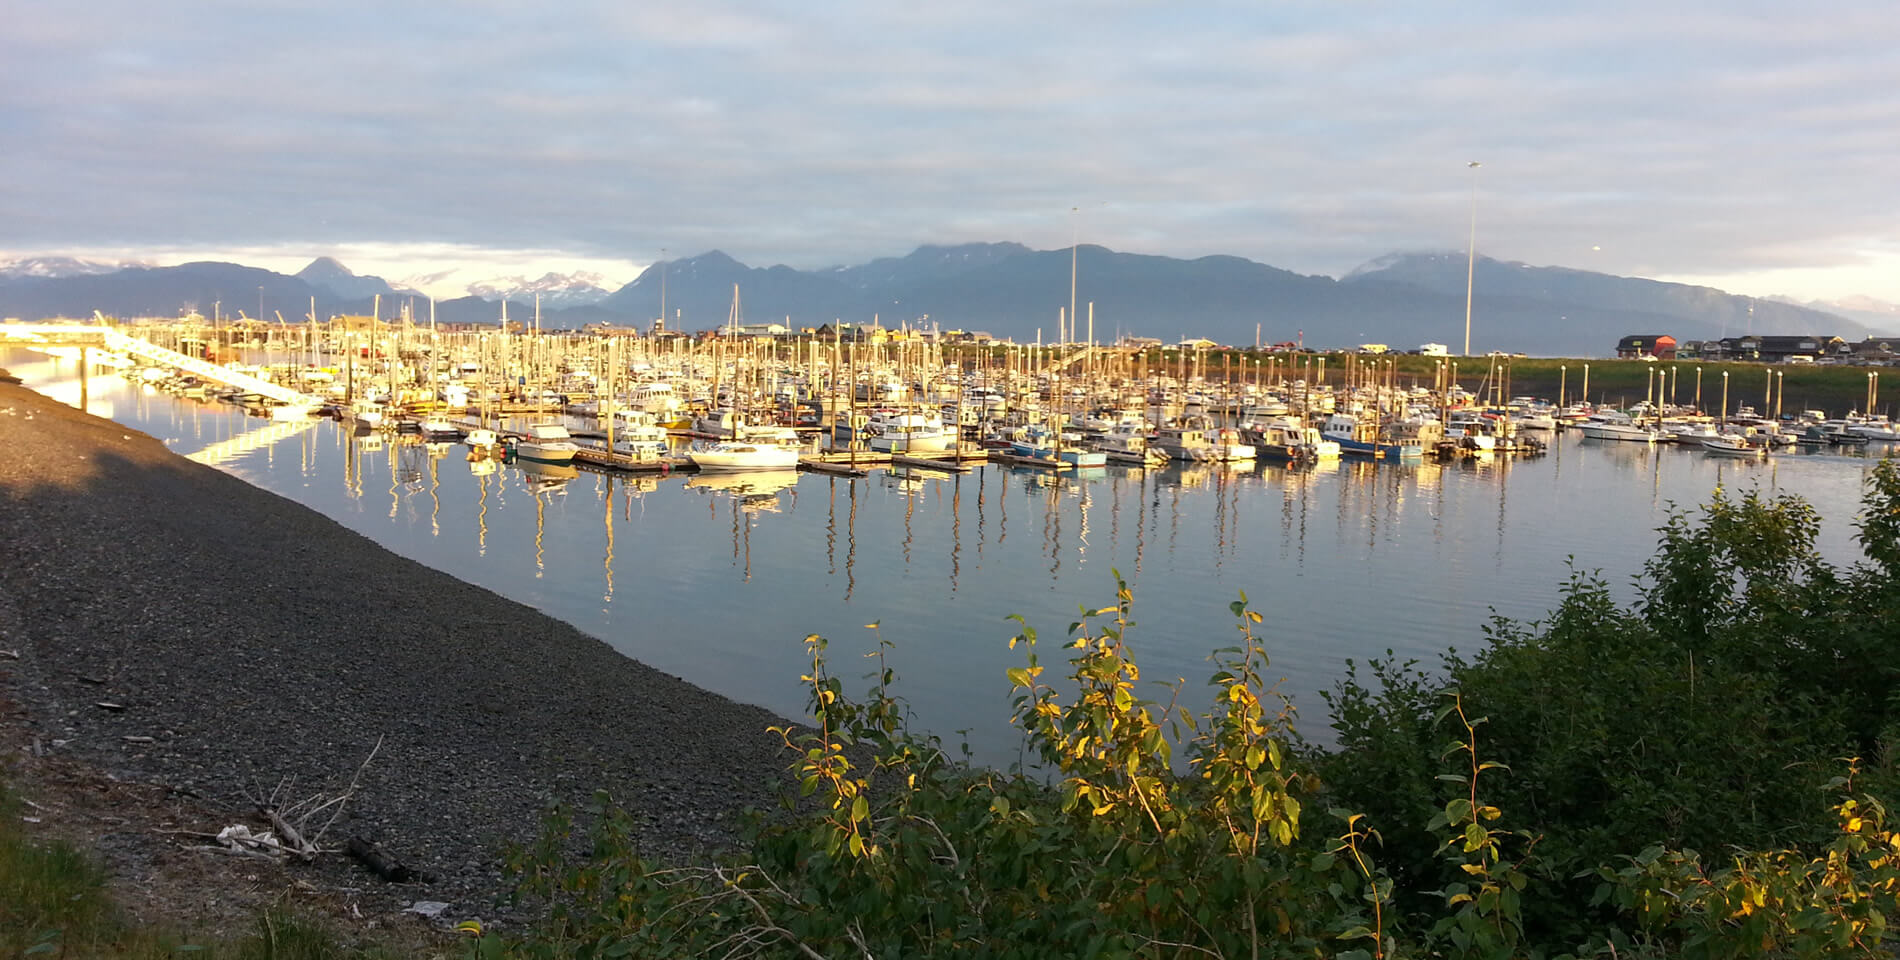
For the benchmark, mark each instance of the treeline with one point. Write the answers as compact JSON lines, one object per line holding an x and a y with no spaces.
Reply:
{"x":1698,"y":773}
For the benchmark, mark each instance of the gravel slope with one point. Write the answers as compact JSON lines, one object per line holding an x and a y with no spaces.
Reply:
{"x":254,"y":640}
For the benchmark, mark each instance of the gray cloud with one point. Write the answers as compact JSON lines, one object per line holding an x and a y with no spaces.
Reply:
{"x":1710,"y":138}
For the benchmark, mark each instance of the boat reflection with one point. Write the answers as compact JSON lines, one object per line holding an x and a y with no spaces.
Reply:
{"x":546,"y":478}
{"x":754,"y":490}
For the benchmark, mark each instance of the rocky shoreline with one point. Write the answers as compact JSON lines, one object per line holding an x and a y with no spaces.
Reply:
{"x":178,"y":629}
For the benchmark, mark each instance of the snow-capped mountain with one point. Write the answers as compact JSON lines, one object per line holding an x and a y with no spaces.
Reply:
{"x":557,"y":290}
{"x":53,"y":267}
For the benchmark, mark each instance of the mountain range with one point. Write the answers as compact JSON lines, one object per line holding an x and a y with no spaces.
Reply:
{"x":1007,"y":290}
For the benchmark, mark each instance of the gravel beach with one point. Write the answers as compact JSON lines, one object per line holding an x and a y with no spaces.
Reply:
{"x":257,"y":643}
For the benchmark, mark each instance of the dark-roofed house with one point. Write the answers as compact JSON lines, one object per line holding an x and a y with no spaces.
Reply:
{"x":1662,"y":346}
{"x":1778,"y":349}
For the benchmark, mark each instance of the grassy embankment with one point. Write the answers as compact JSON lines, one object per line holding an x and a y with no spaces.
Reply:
{"x":1618,"y":383}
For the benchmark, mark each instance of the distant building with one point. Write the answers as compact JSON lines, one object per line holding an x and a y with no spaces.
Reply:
{"x":1875,"y":350}
{"x":1659,"y":345}
{"x":1433,"y":350}
{"x":1197,"y":343}
{"x":761,"y":330}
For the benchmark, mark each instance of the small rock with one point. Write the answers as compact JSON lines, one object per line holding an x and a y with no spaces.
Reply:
{"x":427,"y":908}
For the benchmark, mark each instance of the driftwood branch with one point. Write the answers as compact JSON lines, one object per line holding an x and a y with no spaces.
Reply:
{"x":294,"y":841}
{"x":382,"y":864}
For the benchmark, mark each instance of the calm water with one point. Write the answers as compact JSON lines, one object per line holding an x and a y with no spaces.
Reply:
{"x":718,"y":579}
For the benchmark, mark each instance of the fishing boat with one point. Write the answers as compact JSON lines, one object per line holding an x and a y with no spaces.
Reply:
{"x":908,"y":433}
{"x":1194,"y":443}
{"x":638,"y":435}
{"x":440,"y":428}
{"x":547,"y":443}
{"x":1128,"y":443}
{"x":1036,"y":442}
{"x":1732,"y":445}
{"x":1361,"y":436}
{"x":1284,"y":438}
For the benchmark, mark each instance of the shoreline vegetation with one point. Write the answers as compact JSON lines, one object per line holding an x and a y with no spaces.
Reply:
{"x":1697,"y":773}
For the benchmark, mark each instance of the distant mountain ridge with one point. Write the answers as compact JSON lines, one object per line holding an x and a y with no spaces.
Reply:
{"x":325,"y":273}
{"x":1012,"y":291}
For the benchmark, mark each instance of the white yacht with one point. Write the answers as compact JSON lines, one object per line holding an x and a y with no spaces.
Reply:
{"x":1611,"y":425}
{"x":744,"y":455}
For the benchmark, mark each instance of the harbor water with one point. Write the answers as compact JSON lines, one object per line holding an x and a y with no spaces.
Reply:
{"x":720,"y":578}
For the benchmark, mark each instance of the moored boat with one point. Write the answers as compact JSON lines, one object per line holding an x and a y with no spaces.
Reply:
{"x":744,"y":455}
{"x":547,"y":443}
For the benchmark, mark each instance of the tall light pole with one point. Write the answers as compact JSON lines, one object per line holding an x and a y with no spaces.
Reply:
{"x":1075,"y":240}
{"x":1471,"y":253}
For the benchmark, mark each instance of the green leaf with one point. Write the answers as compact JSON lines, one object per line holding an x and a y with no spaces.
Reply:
{"x":1322,"y":862}
{"x":860,"y":809}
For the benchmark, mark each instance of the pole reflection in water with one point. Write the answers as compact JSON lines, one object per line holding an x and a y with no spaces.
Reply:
{"x":607,"y":557}
{"x":1052,"y":525}
{"x":1002,"y":507}
{"x":956,"y":528}
{"x":982,"y":479}
{"x":851,"y":543}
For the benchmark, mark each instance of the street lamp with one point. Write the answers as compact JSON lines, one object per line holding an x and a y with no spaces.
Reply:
{"x":1471,"y":253}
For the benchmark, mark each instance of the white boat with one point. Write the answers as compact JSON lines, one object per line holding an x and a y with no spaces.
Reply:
{"x":744,"y":455}
{"x":1286,"y":438}
{"x":481,"y":438}
{"x":1472,"y":430}
{"x":908,"y":433}
{"x":638,"y":435}
{"x":1128,"y":443}
{"x":1874,"y":428}
{"x":1690,"y":434}
{"x":547,"y":443}
{"x":1194,"y":443}
{"x":367,"y":415}
{"x":1610,"y":425}
{"x":441,"y":428}
{"x":1731,"y":445}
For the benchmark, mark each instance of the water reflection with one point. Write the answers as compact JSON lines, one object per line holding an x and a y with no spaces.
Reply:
{"x":724,"y":576}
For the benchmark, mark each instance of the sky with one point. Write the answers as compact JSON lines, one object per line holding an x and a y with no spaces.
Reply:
{"x":1746,"y":145}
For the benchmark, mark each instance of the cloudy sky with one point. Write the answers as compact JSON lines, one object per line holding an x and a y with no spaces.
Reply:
{"x":1753,"y":146}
